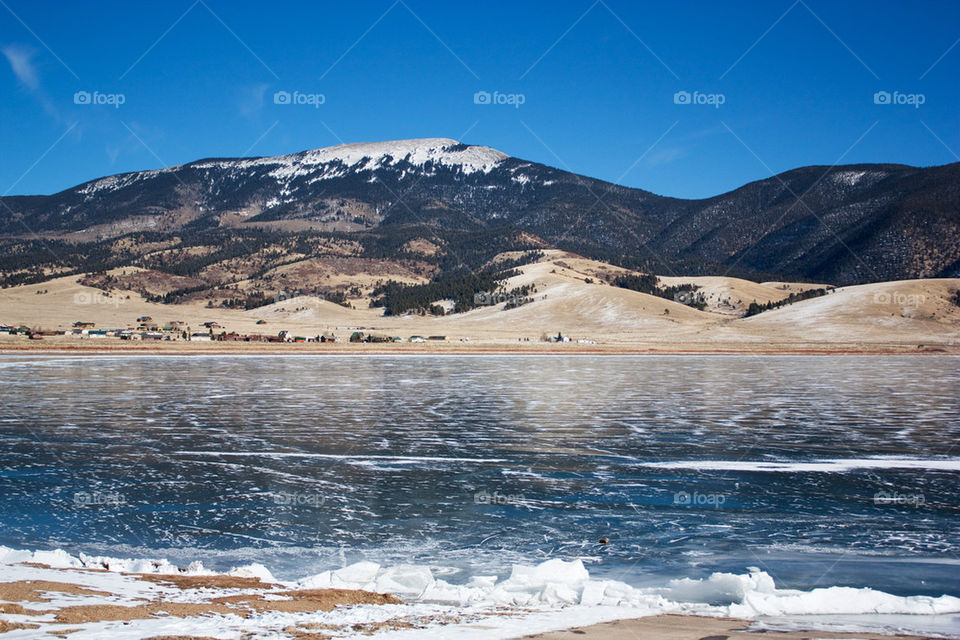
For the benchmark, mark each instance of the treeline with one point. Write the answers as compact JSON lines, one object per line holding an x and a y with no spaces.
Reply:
{"x":650,"y":284}
{"x":31,"y":261}
{"x":172,"y":297}
{"x":397,"y":298}
{"x":756,"y":308}
{"x":462,"y":287}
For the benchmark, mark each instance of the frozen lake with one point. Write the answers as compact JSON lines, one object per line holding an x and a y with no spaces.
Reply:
{"x":818,"y":470}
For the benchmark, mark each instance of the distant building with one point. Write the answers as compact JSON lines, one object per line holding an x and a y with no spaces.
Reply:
{"x":417,"y":339}
{"x":200,"y":337}
{"x":79,"y":324}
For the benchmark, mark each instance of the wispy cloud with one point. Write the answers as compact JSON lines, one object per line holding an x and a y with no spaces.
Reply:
{"x":665,"y":156}
{"x":21,"y":61}
{"x":252,"y":100}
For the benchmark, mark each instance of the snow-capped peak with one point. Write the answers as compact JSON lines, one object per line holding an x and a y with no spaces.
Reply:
{"x":417,"y":152}
{"x":333,"y":162}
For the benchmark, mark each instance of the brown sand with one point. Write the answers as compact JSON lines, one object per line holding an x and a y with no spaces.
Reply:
{"x":32,"y":590}
{"x":81,"y":614}
{"x":243,"y":605}
{"x":12,"y":626}
{"x":203,"y":582}
{"x":673,"y":627}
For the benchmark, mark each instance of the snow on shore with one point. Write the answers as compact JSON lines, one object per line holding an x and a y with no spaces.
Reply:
{"x":552,"y":595}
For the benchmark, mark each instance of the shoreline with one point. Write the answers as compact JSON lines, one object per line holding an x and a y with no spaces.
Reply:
{"x":53,"y":593}
{"x":693,"y":627}
{"x":460,"y":349}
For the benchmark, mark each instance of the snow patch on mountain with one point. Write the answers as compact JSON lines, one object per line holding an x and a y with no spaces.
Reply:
{"x":113,"y":183}
{"x":334,"y":162}
{"x":852,"y":178}
{"x":417,"y":152}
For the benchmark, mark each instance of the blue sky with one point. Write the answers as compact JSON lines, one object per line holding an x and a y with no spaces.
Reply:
{"x":598,"y":82}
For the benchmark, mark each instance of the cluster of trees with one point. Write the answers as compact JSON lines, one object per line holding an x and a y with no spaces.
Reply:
{"x":462,"y":287}
{"x":31,"y":261}
{"x":172,"y":297}
{"x":257,"y":298}
{"x":518,"y":296}
{"x":650,"y":284}
{"x":756,"y":308}
{"x":397,"y":298}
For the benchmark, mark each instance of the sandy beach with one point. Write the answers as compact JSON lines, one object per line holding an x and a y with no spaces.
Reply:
{"x":671,"y":627}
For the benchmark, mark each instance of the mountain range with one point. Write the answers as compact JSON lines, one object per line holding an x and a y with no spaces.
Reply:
{"x":417,"y":209}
